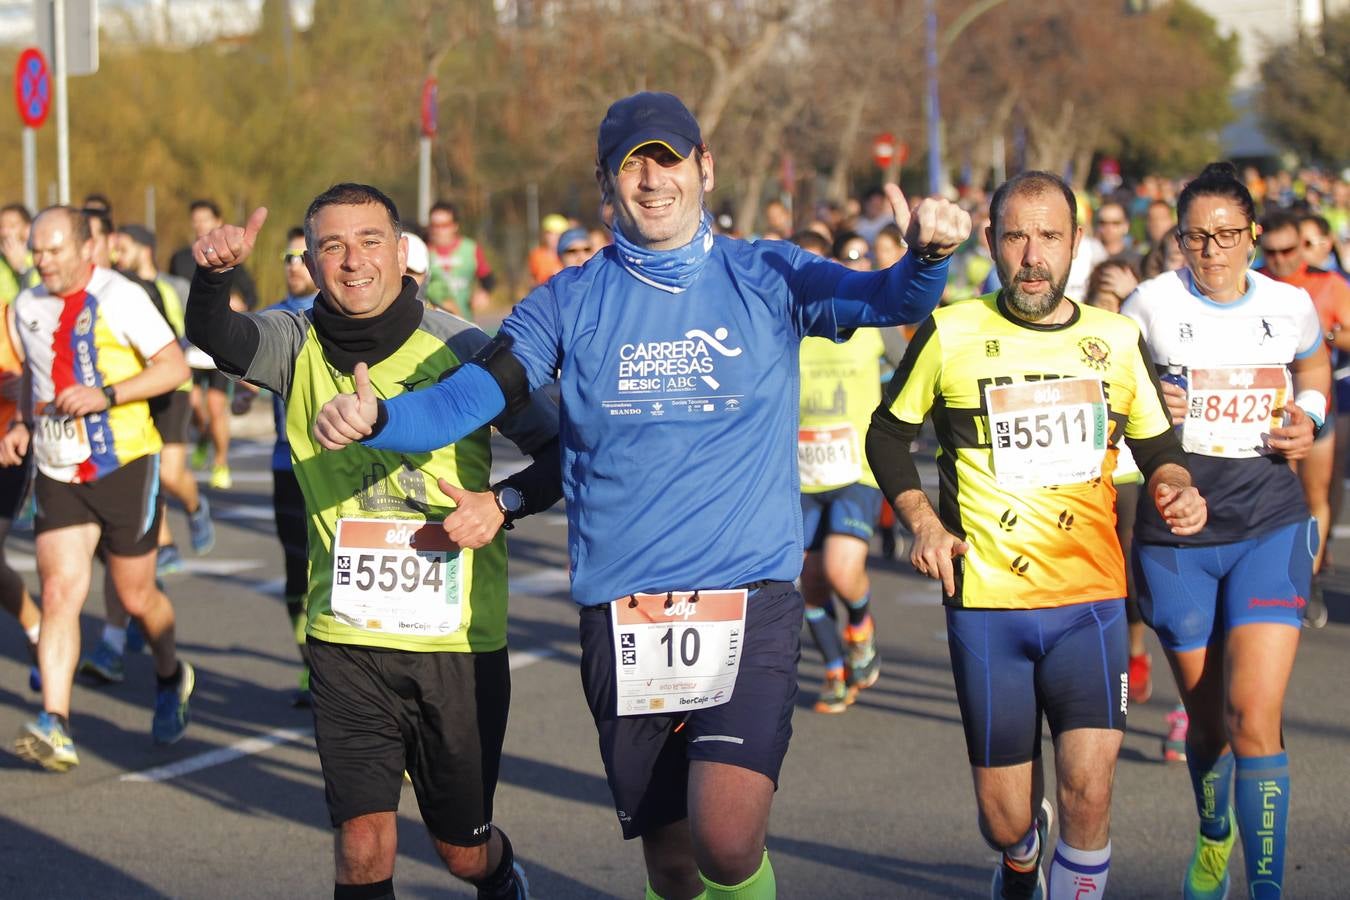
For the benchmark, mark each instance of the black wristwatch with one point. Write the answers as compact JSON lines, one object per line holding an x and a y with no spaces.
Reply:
{"x":510,"y":501}
{"x":110,"y":391}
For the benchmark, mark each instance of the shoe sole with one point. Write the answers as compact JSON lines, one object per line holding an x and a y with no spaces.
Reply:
{"x":99,"y":677}
{"x":831,"y":708}
{"x":867,"y":680}
{"x":184,"y":693}
{"x":33,"y":748}
{"x":1224,"y":896}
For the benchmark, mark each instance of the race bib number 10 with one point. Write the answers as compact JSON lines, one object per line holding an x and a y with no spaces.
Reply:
{"x":396,"y":577}
{"x":1047,"y":432}
{"x":1231,"y":409}
{"x":678,"y":651}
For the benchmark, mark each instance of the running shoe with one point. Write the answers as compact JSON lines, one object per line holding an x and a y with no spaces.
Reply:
{"x":104,"y":665}
{"x":168,"y":560}
{"x":1174,"y":745}
{"x":1014,"y":883}
{"x":861,"y":657}
{"x":198,"y":460}
{"x":220,"y":478}
{"x":171,"y":707}
{"x":46,"y":743}
{"x":1141,"y":678}
{"x":1315,"y":613}
{"x":1207,"y":877}
{"x":202,"y":529}
{"x":834,"y":696}
{"x":522,"y":883}
{"x":135,"y":636}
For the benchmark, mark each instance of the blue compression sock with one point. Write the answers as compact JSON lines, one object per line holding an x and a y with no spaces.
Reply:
{"x":825,"y":632}
{"x":1263,"y":820}
{"x":1213,"y":786}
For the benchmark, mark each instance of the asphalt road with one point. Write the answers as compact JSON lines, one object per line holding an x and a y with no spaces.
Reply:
{"x":873,"y":803}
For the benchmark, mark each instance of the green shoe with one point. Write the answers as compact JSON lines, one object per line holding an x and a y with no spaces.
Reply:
{"x":1207,"y":878}
{"x":198,"y":460}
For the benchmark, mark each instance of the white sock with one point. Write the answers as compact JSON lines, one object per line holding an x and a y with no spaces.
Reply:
{"x":116,"y":638}
{"x":33,"y":633}
{"x":1079,"y":874}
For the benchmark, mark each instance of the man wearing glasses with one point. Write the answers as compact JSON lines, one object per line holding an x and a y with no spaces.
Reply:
{"x":1283,"y":252}
{"x":574,"y":247}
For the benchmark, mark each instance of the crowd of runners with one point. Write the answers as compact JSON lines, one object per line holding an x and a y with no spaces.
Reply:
{"x":1130,"y":394}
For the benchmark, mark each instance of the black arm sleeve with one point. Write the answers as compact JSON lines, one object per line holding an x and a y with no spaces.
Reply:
{"x":230,"y":338}
{"x":488,"y":281}
{"x":496,"y":357}
{"x":1150,"y":454}
{"x":890,"y":456}
{"x":539,"y":483}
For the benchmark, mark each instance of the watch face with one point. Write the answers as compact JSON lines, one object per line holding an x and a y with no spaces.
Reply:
{"x":510,"y":500}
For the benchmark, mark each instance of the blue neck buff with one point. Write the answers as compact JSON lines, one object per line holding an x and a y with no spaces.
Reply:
{"x":669,"y":270}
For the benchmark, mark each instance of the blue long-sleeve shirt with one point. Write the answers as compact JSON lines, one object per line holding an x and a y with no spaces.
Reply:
{"x":679,"y":411}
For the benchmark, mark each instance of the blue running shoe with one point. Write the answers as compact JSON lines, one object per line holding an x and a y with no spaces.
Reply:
{"x":203,"y":530}
{"x":168,"y":560}
{"x":135,"y":637}
{"x":46,"y":743}
{"x":104,"y":665}
{"x":171,"y":707}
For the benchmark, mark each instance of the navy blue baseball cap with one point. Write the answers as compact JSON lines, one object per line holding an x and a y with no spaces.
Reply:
{"x":646,"y":118}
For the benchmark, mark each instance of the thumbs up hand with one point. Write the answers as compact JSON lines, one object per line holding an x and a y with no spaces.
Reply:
{"x":934,"y":228}
{"x":229,"y":245}
{"x":476,"y":518}
{"x":348,"y":417}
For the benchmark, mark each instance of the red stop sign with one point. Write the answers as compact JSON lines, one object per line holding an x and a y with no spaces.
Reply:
{"x":883,"y":149}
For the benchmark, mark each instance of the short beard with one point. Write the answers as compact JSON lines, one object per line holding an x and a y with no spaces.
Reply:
{"x":1028,"y":307}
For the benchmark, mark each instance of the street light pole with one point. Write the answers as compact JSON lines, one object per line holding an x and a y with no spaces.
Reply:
{"x":935,"y":178}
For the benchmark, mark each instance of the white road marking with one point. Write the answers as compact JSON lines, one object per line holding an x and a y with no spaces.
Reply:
{"x":264,"y":477}
{"x":250,"y":512}
{"x":541,"y":583}
{"x":221,"y":755}
{"x":264,"y":742}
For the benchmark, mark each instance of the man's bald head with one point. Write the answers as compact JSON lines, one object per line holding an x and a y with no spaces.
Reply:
{"x":62,"y":250}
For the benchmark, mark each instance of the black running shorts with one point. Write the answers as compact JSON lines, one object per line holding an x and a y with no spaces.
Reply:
{"x":440,"y":716}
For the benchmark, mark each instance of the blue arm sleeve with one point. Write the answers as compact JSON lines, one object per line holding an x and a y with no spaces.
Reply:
{"x":440,"y":415}
{"x":832,"y":298}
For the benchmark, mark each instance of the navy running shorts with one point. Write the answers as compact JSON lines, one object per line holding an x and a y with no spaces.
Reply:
{"x":440,"y":716}
{"x":1011,"y":665}
{"x":1188,"y":594}
{"x":850,"y":510}
{"x":647,"y":757}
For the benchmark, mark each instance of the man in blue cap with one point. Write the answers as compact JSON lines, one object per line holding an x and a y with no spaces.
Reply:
{"x":677,"y":360}
{"x":574,"y":247}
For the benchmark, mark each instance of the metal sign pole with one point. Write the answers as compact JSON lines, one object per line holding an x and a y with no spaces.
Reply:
{"x":30,"y":190}
{"x":62,"y":108}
